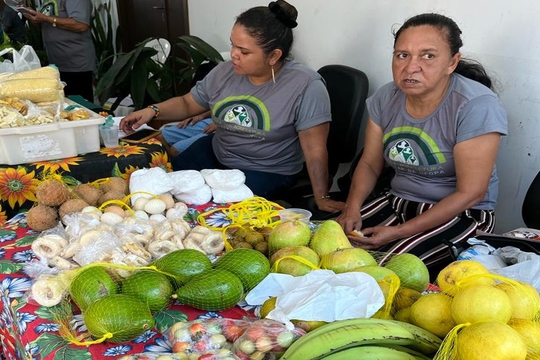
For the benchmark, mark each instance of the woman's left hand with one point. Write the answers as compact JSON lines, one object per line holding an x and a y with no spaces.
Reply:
{"x":329,"y":205}
{"x":376,"y":237}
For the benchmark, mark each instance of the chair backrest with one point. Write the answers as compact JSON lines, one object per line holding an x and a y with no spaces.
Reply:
{"x":348,"y":89}
{"x":530,"y":209}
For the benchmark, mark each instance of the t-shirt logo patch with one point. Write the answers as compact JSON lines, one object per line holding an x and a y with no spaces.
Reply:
{"x":403,"y":152}
{"x":49,"y":8}
{"x":238,"y":115}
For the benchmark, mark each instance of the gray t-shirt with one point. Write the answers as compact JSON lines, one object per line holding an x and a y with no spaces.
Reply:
{"x":258,"y":125}
{"x":70,"y":51}
{"x":421,"y":150}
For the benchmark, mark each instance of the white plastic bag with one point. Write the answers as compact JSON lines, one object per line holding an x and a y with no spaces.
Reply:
{"x":154,"y":181}
{"x":24,"y":59}
{"x":320,"y":295}
{"x":523,"y":266}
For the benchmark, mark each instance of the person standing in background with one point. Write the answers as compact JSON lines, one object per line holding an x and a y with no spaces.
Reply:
{"x":13,"y":24}
{"x":65,"y":28}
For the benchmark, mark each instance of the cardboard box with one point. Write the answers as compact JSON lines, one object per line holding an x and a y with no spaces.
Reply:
{"x":20,"y":145}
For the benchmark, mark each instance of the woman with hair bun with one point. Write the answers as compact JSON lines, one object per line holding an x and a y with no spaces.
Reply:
{"x":271,"y":112}
{"x":438,"y":125}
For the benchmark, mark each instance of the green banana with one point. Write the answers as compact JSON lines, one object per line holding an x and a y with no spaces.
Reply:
{"x":408,"y":350}
{"x":427,"y":342}
{"x":345,"y":334}
{"x":370,"y":352}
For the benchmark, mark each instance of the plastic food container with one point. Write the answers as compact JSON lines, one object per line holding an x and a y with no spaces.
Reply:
{"x":25,"y":144}
{"x":295,"y":214}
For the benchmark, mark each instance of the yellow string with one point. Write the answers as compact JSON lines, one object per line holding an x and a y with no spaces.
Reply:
{"x":447,"y":350}
{"x":300,"y":259}
{"x":256,"y":212}
{"x":128,"y":197}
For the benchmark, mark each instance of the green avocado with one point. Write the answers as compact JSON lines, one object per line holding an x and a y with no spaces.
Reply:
{"x":123,"y":316}
{"x":214,"y":290}
{"x":183,"y":264}
{"x":250,"y":265}
{"x":152,"y":288}
{"x":91,"y":284}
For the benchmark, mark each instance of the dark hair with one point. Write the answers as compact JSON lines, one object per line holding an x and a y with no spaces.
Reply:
{"x":469,"y":68}
{"x":271,"y":26}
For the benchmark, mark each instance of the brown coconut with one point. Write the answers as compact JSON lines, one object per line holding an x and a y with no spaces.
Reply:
{"x":71,"y":206}
{"x":42,"y":217}
{"x":111,"y":195}
{"x":52,"y":192}
{"x":115,"y":183}
{"x":90,"y":194}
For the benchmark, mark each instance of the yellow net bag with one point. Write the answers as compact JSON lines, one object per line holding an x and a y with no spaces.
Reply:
{"x":250,"y":214}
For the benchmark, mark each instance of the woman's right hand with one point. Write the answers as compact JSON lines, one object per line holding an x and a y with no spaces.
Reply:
{"x":135,"y":120}
{"x":350,"y":220}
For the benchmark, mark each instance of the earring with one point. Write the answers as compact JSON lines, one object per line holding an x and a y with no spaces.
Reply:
{"x":273,"y":75}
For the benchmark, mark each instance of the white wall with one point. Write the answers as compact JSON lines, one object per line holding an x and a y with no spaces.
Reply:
{"x":502,"y":35}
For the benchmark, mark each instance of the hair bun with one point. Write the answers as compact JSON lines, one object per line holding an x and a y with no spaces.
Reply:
{"x":281,"y":15}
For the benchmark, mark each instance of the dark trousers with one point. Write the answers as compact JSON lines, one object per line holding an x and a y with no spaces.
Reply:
{"x":200,"y":155}
{"x":79,"y":83}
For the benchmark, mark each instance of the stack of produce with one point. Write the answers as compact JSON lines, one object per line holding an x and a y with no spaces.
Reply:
{"x":482,"y":313}
{"x":117,"y":307}
{"x":35,"y":97}
{"x":364,"y":339}
{"x":55,"y":199}
{"x":246,"y":339}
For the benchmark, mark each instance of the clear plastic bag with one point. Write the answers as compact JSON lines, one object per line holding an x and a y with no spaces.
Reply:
{"x":222,"y":354}
{"x":24,"y":59}
{"x":265,"y":339}
{"x":204,"y":335}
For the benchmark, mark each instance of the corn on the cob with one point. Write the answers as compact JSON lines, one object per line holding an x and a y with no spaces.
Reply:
{"x":46,"y":72}
{"x":36,"y":90}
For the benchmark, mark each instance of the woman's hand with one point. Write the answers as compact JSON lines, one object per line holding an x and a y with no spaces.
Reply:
{"x":210,"y":128}
{"x":192,"y":120}
{"x":135,"y":120}
{"x":350,"y":220}
{"x":375,"y":237}
{"x":329,"y":205}
{"x":32,"y":15}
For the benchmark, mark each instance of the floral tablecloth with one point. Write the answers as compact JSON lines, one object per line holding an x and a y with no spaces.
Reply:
{"x":27,"y":330}
{"x":18,"y":182}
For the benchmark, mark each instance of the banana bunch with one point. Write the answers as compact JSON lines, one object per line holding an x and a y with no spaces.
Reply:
{"x":365,"y":339}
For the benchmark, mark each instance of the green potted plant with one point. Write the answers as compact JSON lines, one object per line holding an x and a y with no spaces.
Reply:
{"x":135,"y":73}
{"x":105,"y":42}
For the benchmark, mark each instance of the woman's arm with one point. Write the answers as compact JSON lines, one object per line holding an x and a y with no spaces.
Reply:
{"x":364,"y":178}
{"x":474,"y":161}
{"x":179,"y":107}
{"x":68,"y":23}
{"x":313,"y":143}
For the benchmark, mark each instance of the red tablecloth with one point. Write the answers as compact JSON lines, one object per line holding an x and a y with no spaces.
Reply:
{"x":27,"y":331}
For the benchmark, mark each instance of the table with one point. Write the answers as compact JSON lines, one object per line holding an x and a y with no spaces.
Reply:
{"x":27,"y":331}
{"x":18,"y":182}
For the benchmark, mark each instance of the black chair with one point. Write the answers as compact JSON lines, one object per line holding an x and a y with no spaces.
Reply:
{"x":348,"y":89}
{"x":530,"y":210}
